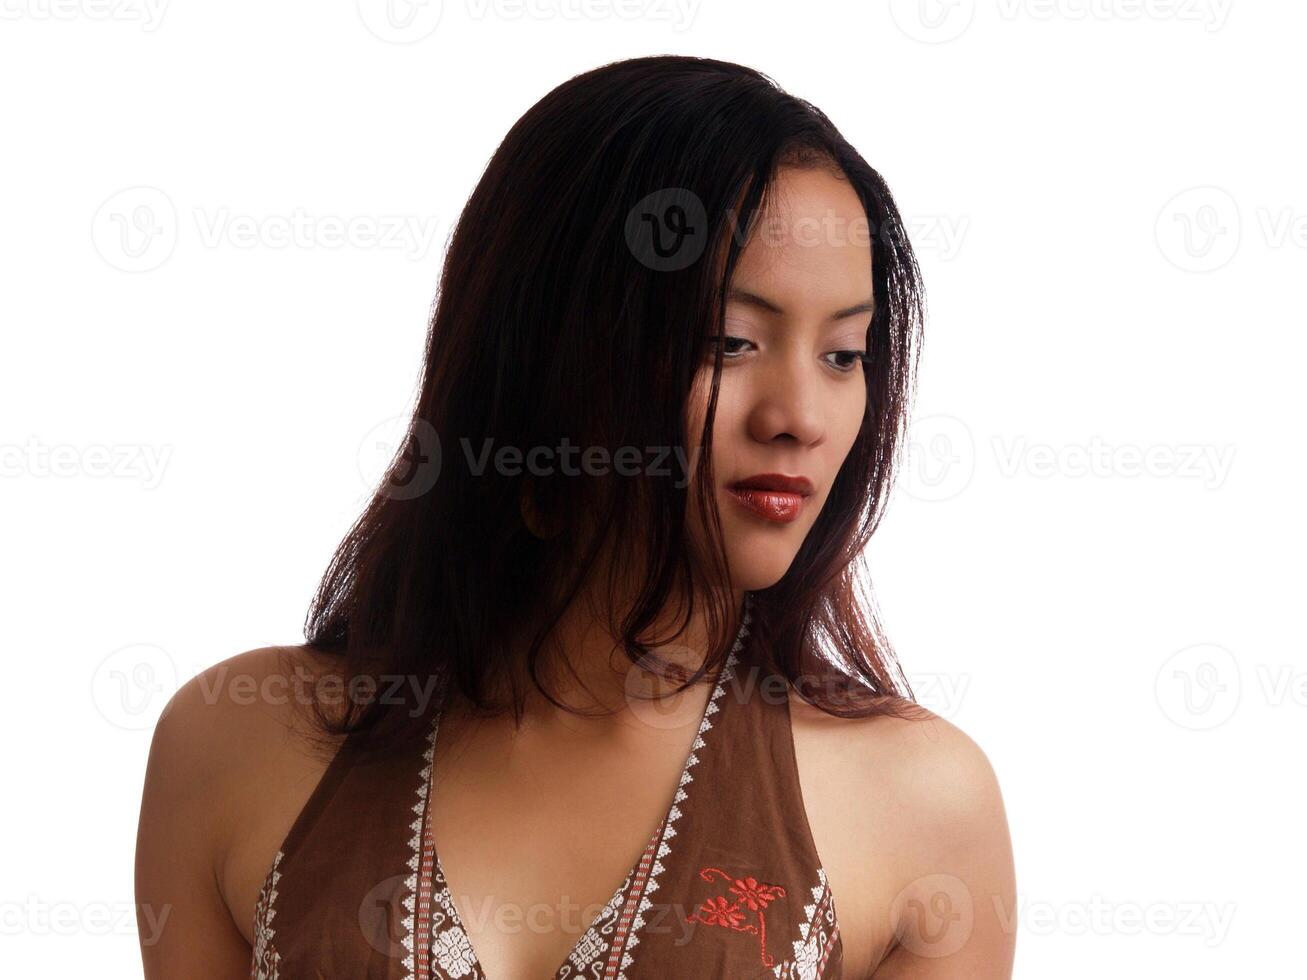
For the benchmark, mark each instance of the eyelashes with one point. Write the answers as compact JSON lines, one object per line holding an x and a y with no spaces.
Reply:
{"x":858,"y":356}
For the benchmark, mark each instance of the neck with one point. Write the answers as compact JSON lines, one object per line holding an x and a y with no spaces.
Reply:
{"x":582,"y":664}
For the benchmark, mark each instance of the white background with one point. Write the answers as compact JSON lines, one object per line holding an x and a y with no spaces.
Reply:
{"x":1093,"y":565}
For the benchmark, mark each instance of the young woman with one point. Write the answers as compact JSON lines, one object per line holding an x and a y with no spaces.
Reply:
{"x":591,"y":689}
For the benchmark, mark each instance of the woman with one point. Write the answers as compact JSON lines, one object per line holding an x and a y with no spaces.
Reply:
{"x":598,"y":635}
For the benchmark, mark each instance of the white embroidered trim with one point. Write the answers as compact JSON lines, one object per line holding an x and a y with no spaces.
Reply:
{"x":816,"y":935}
{"x":664,"y":847}
{"x":266,"y":963}
{"x":415,"y":855}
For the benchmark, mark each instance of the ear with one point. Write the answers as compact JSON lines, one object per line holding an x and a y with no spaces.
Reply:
{"x":542,"y":525}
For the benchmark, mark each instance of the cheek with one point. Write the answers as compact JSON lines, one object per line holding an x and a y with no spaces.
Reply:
{"x":844,"y":430}
{"x":696,"y":413}
{"x":852,"y":412}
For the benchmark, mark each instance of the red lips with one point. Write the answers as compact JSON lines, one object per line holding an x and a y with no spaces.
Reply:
{"x":775,"y":481}
{"x":774,"y":497}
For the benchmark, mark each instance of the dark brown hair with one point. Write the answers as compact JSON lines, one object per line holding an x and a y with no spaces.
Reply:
{"x":565,"y":316}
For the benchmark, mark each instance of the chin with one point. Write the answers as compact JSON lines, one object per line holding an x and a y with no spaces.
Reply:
{"x":758,"y":561}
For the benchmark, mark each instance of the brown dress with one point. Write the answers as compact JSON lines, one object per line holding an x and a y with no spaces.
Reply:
{"x":730,"y":885}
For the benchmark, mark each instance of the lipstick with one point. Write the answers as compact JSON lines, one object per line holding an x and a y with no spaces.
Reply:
{"x":774,"y":497}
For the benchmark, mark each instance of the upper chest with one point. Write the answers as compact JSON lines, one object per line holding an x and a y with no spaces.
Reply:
{"x":537,"y":836}
{"x":537,"y":833}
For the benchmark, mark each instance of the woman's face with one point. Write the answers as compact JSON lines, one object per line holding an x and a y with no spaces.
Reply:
{"x":792,"y":394}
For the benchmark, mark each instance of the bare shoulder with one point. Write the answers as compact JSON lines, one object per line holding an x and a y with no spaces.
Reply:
{"x":908,"y":815}
{"x":232,"y":759}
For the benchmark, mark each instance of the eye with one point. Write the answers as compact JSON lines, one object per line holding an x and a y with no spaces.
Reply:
{"x":856,"y":356}
{"x":712,"y":343}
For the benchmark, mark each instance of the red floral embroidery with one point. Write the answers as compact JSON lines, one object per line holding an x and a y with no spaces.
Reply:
{"x":750,"y":894}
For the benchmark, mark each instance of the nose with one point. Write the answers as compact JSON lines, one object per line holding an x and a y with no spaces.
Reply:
{"x":790,"y":403}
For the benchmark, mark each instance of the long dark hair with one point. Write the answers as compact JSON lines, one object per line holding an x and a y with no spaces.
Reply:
{"x":564,"y":317}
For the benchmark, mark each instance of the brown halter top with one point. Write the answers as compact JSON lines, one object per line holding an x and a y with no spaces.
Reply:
{"x":730,"y":884}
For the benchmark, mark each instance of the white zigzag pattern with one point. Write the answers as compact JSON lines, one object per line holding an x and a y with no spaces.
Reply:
{"x":266,"y":960}
{"x":810,"y":948}
{"x":415,"y":855}
{"x":664,"y":848}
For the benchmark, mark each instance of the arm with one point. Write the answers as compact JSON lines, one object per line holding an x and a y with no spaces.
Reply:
{"x":956,"y":915}
{"x":185,"y":927}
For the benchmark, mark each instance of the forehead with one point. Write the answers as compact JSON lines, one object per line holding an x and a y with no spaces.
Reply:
{"x":811,"y":238}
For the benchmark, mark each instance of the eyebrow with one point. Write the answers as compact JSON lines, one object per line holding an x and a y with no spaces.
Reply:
{"x":753,"y":299}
